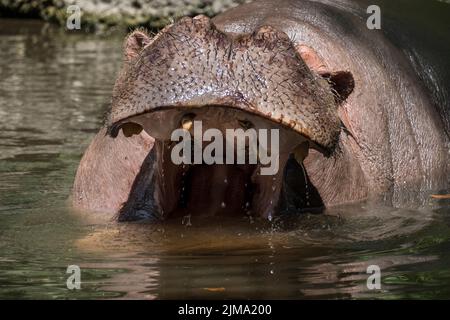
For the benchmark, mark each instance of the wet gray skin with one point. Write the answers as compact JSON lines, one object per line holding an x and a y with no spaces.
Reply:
{"x":354,"y":123}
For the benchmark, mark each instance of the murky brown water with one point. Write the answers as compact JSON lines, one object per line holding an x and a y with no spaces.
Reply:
{"x":54,"y":88}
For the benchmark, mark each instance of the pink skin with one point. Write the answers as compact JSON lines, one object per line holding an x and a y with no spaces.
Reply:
{"x":108,"y":170}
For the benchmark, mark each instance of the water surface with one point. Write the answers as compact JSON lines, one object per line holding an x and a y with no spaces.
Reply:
{"x":54,"y":89}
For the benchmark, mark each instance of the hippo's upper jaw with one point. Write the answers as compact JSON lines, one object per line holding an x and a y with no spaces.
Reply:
{"x":192,"y":64}
{"x":193,"y":73}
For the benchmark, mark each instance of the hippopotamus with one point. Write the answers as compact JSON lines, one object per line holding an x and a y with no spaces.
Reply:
{"x":355,"y":121}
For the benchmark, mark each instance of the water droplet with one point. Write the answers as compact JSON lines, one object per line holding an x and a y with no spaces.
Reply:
{"x":223,"y":205}
{"x":186,"y":220}
{"x":271,"y":272}
{"x":225,"y":181}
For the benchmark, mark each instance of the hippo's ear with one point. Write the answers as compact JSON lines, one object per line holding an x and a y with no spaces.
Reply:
{"x":341,"y":82}
{"x":311,"y":58}
{"x":134,"y":43}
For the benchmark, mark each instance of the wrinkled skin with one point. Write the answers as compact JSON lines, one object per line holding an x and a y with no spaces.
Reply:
{"x":355,"y":123}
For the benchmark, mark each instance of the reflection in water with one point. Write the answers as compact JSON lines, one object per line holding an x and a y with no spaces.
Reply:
{"x":54,"y":88}
{"x":321,"y":256}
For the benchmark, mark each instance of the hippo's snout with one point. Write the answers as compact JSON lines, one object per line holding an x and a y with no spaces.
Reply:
{"x":192,"y":64}
{"x":193,"y":71}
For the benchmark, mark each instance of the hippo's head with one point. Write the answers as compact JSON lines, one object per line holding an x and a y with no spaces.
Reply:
{"x":191,"y":71}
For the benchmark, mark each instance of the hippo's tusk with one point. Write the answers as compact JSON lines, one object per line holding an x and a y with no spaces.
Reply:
{"x":186,"y":122}
{"x":440,"y":196}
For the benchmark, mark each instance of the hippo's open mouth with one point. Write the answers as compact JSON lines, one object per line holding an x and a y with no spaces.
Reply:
{"x":193,"y":72}
{"x":225,"y":185}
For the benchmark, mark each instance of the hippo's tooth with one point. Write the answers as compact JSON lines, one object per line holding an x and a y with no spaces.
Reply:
{"x":186,"y":124}
{"x":301,"y":151}
{"x":187,"y":121}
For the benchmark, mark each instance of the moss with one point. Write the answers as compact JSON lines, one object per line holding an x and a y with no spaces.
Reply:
{"x":104,"y":14}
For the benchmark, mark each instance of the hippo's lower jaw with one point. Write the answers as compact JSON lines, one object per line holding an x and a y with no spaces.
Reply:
{"x":168,"y":187}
